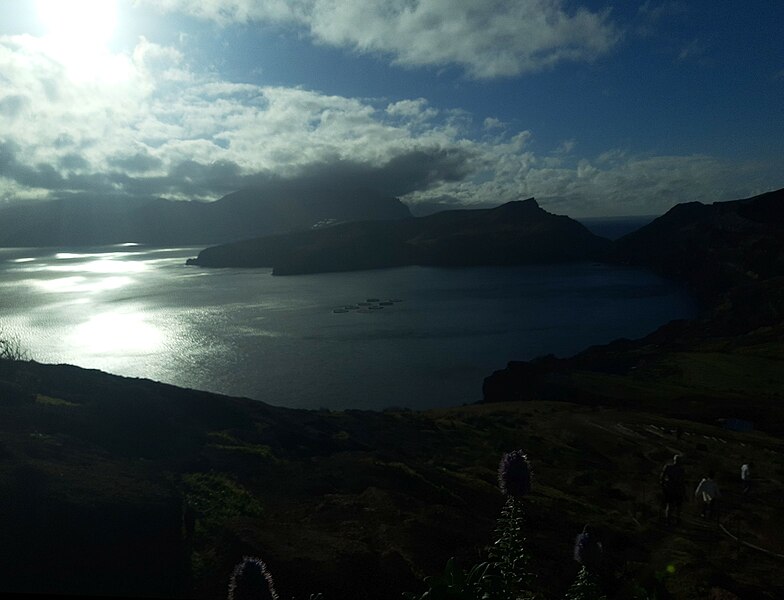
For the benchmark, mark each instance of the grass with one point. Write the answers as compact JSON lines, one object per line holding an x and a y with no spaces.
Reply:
{"x":49,"y":401}
{"x":747,"y":373}
{"x":216,"y":498}
{"x":223,"y":440}
{"x":390,"y":495}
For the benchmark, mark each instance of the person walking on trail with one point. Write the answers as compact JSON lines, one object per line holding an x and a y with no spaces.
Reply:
{"x":745,"y":477}
{"x":673,"y":485}
{"x":588,"y":550}
{"x":708,"y":493}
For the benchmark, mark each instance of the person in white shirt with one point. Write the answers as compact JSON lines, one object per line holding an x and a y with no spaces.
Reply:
{"x":708,"y":493}
{"x":745,"y":477}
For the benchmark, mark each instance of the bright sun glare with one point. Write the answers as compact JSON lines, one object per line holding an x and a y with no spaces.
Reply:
{"x":78,"y":33}
{"x":79,"y":22}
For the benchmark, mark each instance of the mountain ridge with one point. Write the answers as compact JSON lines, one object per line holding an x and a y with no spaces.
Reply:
{"x":97,"y":220}
{"x":731,"y":255}
{"x":518,"y":232}
{"x":712,"y":247}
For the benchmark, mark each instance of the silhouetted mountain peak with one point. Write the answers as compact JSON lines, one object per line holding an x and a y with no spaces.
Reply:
{"x":528,"y":203}
{"x":247,"y":213}
{"x":713,"y":246}
{"x":515,"y":233}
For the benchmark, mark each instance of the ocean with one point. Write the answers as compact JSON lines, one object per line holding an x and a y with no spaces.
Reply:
{"x":408,"y":337}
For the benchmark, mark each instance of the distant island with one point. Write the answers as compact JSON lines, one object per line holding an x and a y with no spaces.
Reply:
{"x":512,"y":234}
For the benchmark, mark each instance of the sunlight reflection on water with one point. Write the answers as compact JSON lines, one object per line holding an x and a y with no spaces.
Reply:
{"x":116,"y":332}
{"x":79,"y":284}
{"x":141,"y":312}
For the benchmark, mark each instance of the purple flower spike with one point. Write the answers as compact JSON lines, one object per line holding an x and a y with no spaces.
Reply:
{"x":514,"y":474}
{"x":251,"y":581}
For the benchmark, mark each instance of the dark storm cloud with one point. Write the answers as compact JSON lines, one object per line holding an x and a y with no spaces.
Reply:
{"x":407,"y":172}
{"x":37,"y":176}
{"x":63,"y":141}
{"x":73,"y":162}
{"x":187,"y":178}
{"x":12,"y":106}
{"x":46,"y":176}
{"x":141,"y":162}
{"x":414,"y":170}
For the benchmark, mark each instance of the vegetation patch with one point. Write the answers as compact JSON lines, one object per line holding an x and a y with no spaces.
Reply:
{"x":216,"y":498}
{"x":49,"y":401}
{"x":223,"y":440}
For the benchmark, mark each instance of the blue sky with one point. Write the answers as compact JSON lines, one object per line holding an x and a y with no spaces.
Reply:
{"x":595,"y":108}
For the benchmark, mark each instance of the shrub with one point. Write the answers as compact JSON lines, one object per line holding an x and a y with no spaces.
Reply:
{"x":11,"y":347}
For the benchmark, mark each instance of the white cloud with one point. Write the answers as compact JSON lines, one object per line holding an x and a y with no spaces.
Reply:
{"x":565,"y":147}
{"x":694,"y":51}
{"x":486,"y":38}
{"x":615,"y":183}
{"x":165,"y":131}
{"x":412,"y":109}
{"x":137,"y":133}
{"x":493,"y":123}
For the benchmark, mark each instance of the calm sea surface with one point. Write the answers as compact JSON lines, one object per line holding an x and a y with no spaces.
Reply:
{"x":141,"y":312}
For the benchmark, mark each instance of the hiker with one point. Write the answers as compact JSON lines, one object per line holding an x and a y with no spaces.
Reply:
{"x":745,"y":477}
{"x":708,"y":493}
{"x":673,"y":484}
{"x":588,"y":550}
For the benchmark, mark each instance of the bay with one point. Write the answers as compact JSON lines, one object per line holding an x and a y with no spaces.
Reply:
{"x":314,"y":341}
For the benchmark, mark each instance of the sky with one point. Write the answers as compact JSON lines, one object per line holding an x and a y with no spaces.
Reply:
{"x":594,"y":108}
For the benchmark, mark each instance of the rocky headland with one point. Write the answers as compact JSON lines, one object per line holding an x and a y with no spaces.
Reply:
{"x":727,"y":363}
{"x":512,"y":234}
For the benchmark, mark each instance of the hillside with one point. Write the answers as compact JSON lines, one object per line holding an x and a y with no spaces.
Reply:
{"x":100,"y":469}
{"x":84,"y":221}
{"x":728,"y":363}
{"x":511,"y":234}
{"x":712,"y":247}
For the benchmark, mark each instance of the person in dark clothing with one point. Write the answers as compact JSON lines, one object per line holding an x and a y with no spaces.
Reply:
{"x":588,"y":550}
{"x":673,"y":485}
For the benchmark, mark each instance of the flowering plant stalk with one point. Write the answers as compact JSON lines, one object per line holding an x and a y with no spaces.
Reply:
{"x":509,"y":554}
{"x":585,"y":587}
{"x":251,"y":580}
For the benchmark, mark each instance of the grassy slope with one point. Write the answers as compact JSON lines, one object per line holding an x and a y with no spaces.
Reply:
{"x":355,"y":504}
{"x":721,"y":377}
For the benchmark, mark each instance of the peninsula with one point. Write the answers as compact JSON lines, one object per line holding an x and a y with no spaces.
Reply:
{"x":512,"y":234}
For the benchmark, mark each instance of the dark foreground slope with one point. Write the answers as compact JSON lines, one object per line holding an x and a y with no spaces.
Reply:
{"x":128,"y":487}
{"x":514,"y":233}
{"x":248,"y":213}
